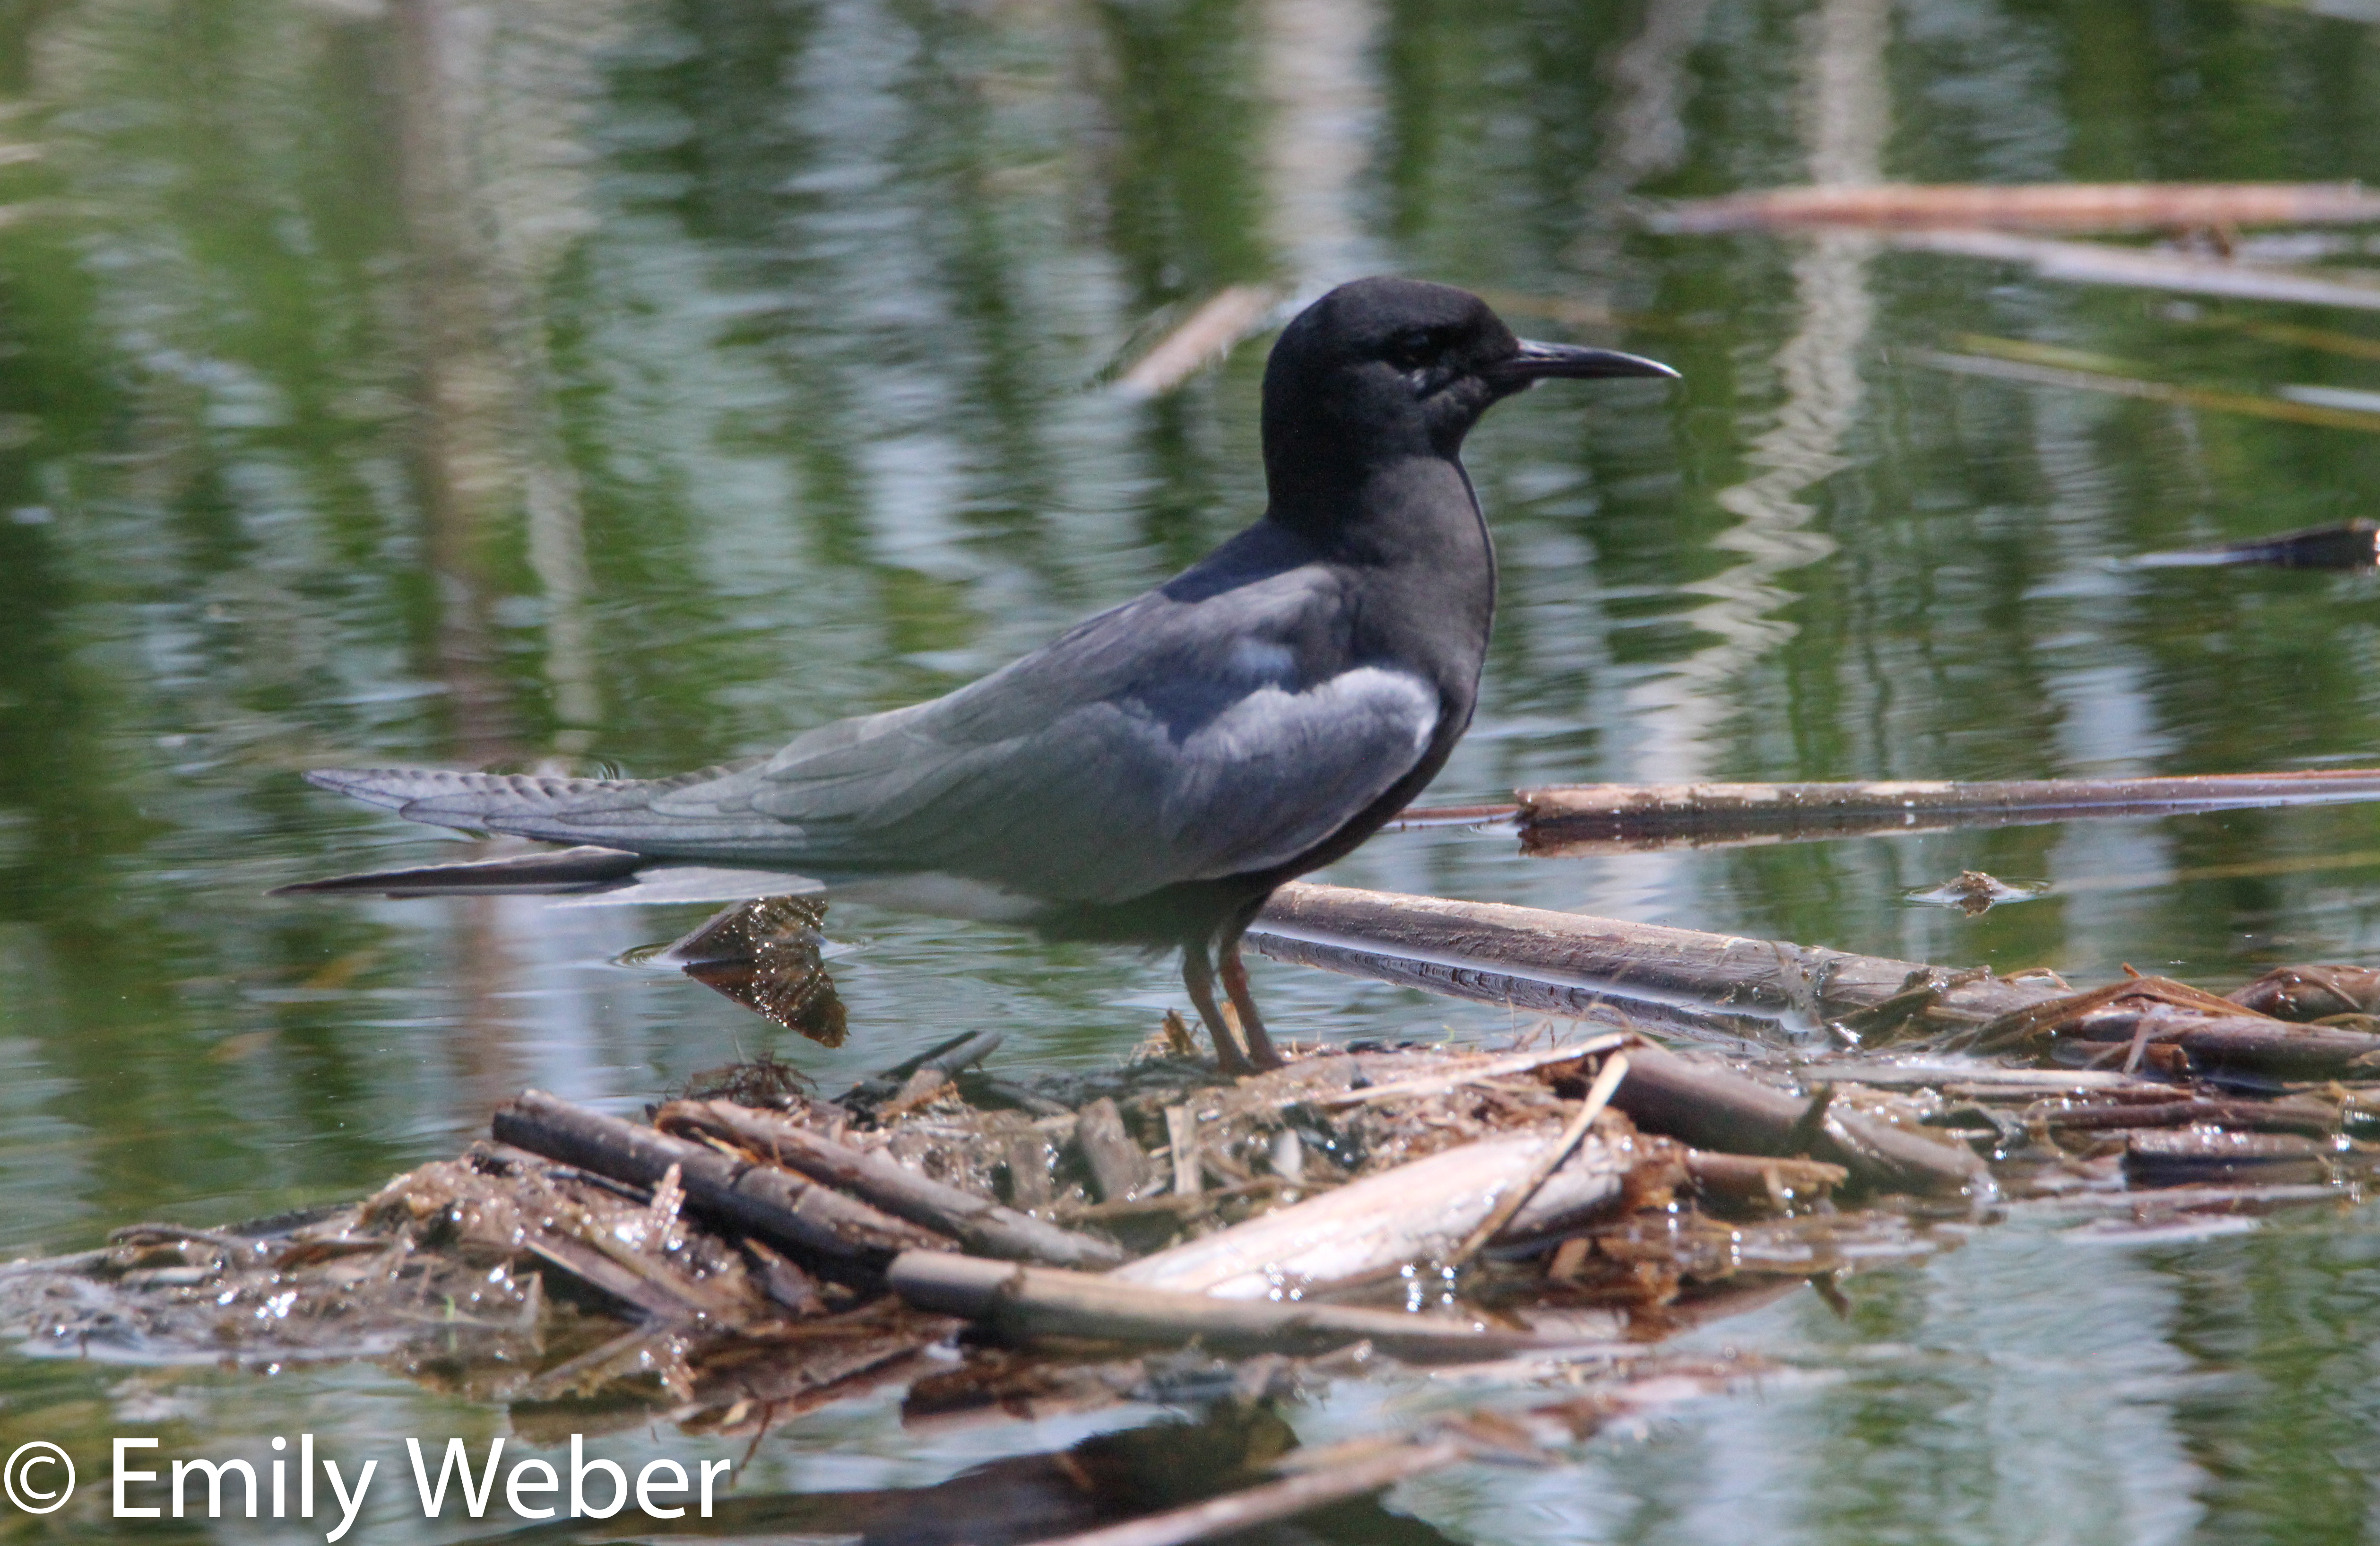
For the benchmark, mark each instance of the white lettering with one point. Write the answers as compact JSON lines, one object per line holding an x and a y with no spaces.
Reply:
{"x":214,"y":1484}
{"x":709,"y":1469}
{"x":350,"y":1504}
{"x":458,"y":1459}
{"x":123,"y":1509}
{"x":646,"y":1486}
{"x":579,"y":1467}
{"x":515,"y":1487}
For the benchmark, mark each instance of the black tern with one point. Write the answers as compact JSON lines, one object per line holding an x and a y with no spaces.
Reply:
{"x":1155,"y":771}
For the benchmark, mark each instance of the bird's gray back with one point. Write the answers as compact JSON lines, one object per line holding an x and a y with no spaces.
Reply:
{"x":1220,"y":725}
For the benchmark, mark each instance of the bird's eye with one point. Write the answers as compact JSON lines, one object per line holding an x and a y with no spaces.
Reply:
{"x":1413,"y":348}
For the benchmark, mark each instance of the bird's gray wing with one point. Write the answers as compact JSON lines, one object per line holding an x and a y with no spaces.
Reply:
{"x":1168,"y":740}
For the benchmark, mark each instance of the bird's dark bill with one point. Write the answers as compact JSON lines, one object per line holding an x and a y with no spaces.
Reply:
{"x":1573,"y":363}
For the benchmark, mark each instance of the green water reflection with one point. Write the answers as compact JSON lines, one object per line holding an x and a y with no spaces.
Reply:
{"x":631,"y":383}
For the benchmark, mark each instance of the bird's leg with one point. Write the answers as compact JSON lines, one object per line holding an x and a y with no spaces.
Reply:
{"x":1198,"y":977}
{"x":1235,"y":985}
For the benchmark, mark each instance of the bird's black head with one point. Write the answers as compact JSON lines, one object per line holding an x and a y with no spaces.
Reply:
{"x":1383,"y":369}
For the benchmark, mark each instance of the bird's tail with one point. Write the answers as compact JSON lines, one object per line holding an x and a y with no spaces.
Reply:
{"x":559,"y":809}
{"x":470,"y":801}
{"x":556,"y":873}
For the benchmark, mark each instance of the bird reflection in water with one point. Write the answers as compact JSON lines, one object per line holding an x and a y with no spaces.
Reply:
{"x":768,"y":955}
{"x":1100,"y":1482}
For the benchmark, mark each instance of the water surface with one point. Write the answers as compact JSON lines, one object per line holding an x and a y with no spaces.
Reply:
{"x":628,"y":385}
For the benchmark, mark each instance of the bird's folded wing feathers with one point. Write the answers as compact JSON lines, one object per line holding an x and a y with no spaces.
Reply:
{"x":1159,"y":743}
{"x":1109,"y":801}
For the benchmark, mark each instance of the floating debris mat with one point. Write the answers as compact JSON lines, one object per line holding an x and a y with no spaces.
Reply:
{"x":724,"y":1257}
{"x":1542,"y":1215}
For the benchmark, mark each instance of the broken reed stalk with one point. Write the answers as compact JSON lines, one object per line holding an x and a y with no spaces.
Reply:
{"x":1615,"y":1068}
{"x":2266,"y":1117}
{"x":2241,"y":1042}
{"x":2073,"y":207}
{"x":921,"y":1079}
{"x":1182,"y":1144}
{"x":1714,"y":1109}
{"x":1368,"y":1229}
{"x":1207,"y":334}
{"x":1584,"y":819}
{"x":1470,"y":1073}
{"x":2215,"y":1032}
{"x":1119,"y":1169}
{"x":981,"y":1225}
{"x":1770,"y":1182}
{"x":1235,"y":1512}
{"x":1023,"y":1303}
{"x":816,"y":1222}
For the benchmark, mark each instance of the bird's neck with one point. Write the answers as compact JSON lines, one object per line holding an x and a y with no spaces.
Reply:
{"x":1413,"y":526}
{"x":1391,"y":510}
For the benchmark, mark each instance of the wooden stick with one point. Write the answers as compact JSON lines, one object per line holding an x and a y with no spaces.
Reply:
{"x":978,"y":1222}
{"x":1182,"y":1143}
{"x":1714,"y":1108}
{"x":2247,"y":1043}
{"x":1470,"y":1073}
{"x":1367,"y":1229}
{"x":1023,"y":1303}
{"x":1235,"y":1511}
{"x":1599,"y":1095}
{"x":814,"y":1222}
{"x":1584,"y":818}
{"x":928,"y":1071}
{"x":1767,"y":1180}
{"x":1119,"y":1169}
{"x":1632,"y":974}
{"x":1609,"y":969}
{"x":2270,"y":1116}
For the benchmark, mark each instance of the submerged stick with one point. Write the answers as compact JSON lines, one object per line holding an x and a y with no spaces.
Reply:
{"x":979,"y":1223}
{"x":1023,"y":1303}
{"x":2272,"y":1116}
{"x":782,"y":1209}
{"x":1235,"y":1512}
{"x":1582,"y":819}
{"x":2091,"y":262}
